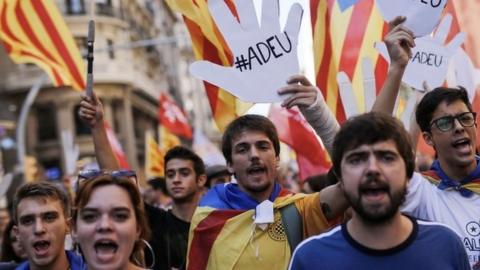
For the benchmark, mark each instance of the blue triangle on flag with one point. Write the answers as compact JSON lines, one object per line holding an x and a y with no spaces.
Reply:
{"x":345,"y":4}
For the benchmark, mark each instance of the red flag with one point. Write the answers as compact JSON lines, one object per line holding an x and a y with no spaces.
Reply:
{"x":116,"y":147}
{"x":173,"y":117}
{"x":294,"y":131}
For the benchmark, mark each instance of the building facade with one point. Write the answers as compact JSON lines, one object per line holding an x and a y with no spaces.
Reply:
{"x":141,"y":50}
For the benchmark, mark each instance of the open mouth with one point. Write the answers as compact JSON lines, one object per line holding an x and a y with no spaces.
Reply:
{"x":105,"y":247}
{"x":41,"y":247}
{"x":461,"y":144}
{"x":374,"y":193}
{"x":256,"y":170}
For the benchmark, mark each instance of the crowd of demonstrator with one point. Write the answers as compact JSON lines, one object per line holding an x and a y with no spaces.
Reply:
{"x":373,"y":210}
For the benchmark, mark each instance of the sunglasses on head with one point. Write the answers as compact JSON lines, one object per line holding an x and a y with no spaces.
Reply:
{"x":86,"y":175}
{"x":446,"y":123}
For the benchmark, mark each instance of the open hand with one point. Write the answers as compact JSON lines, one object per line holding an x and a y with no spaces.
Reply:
{"x":264,"y":57}
{"x":429,"y":58}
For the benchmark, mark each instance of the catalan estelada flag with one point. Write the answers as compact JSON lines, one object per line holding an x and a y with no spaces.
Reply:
{"x":466,"y":187}
{"x":33,"y":31}
{"x":208,"y":44}
{"x":223,"y":234}
{"x":154,"y":157}
{"x":344,"y":32}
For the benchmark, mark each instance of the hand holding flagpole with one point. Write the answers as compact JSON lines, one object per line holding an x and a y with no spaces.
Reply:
{"x":90,"y":41}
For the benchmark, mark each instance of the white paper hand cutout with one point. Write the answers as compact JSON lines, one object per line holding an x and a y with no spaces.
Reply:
{"x":264,"y":56}
{"x":462,"y":72}
{"x":430,"y":57}
{"x":422,"y":15}
{"x":350,"y":104}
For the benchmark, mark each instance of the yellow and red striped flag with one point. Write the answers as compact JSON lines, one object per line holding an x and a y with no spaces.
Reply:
{"x":208,"y":44}
{"x":344,"y":32}
{"x":154,"y":157}
{"x":34,"y":31}
{"x":168,"y":140}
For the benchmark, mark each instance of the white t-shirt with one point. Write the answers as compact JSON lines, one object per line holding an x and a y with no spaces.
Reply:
{"x":425,"y":201}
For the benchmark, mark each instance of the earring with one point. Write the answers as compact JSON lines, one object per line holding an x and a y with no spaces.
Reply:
{"x":150,"y":249}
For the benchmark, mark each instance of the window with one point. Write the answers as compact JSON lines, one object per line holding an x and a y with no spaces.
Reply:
{"x":75,"y":7}
{"x":104,"y":7}
{"x":111,"y":50}
{"x":47,"y":123}
{"x":150,"y":8}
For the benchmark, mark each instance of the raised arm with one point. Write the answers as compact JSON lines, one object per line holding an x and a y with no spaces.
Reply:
{"x":311,"y":103}
{"x":399,"y":42}
{"x":91,"y":112}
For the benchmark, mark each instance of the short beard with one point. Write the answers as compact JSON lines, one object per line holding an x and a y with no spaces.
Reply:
{"x":378,"y":216}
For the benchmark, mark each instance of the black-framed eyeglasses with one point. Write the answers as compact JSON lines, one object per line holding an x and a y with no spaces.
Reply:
{"x":446,"y":123}
{"x":90,"y":174}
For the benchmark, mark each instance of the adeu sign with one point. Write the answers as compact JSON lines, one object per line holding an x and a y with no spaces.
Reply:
{"x":264,"y":55}
{"x":422,"y":15}
{"x":432,"y":3}
{"x":275,"y":46}
{"x":429,"y":63}
{"x":431,"y":57}
{"x":428,"y":58}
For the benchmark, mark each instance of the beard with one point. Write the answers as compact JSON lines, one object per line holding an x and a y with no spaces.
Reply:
{"x":376,"y":214}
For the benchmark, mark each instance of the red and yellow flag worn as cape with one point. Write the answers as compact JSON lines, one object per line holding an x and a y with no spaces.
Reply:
{"x":466,"y":186}
{"x":223,"y":234}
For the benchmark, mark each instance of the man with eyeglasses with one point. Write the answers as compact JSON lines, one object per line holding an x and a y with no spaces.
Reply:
{"x":450,"y":191}
{"x":451,"y":194}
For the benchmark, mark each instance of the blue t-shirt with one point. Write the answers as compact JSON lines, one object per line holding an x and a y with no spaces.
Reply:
{"x":74,"y":260}
{"x":429,"y":246}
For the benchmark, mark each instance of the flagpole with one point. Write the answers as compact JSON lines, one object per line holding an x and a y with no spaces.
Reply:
{"x":21,"y":125}
{"x":92,"y":9}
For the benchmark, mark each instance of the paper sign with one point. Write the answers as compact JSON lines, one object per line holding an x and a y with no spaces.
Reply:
{"x":352,"y":107}
{"x":71,"y":152}
{"x":430,"y":57}
{"x":408,"y":114}
{"x":264,"y":56}
{"x":422,"y":15}
{"x":462,"y":72}
{"x":347,"y":93}
{"x":264,"y":213}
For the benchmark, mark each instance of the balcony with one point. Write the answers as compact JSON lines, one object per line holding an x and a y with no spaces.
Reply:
{"x":80,"y":8}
